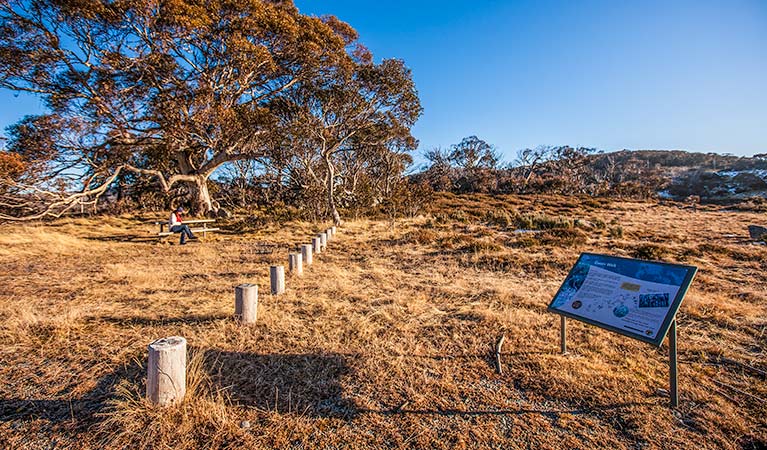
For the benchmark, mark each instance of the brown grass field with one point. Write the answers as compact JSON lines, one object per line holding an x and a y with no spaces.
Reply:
{"x":385,"y":342}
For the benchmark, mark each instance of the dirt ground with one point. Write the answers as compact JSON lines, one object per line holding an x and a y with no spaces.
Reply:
{"x":385,"y":341}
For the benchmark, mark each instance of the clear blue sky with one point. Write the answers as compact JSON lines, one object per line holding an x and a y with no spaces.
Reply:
{"x":607,"y":74}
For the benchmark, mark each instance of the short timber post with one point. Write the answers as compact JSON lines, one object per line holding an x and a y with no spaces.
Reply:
{"x":329,"y":234}
{"x":295,"y":264}
{"x":306,"y":254}
{"x":316,"y":245}
{"x":563,"y":335}
{"x":333,"y":228}
{"x":277,"y":279}
{"x":166,"y":371}
{"x":246,"y":303}
{"x":673,"y":392}
{"x":323,"y":240}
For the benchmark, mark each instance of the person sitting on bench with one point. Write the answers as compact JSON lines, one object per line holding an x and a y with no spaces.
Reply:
{"x":177,"y":226}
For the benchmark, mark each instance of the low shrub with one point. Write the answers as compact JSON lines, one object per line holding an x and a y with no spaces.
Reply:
{"x":555,"y":237}
{"x":713,"y":248}
{"x":481,"y":246}
{"x":616,"y":232}
{"x":599,"y":224}
{"x":500,"y":218}
{"x":563,"y":237}
{"x":499,"y":263}
{"x":458,"y":215}
{"x":420,"y":237}
{"x":542,"y":222}
{"x":650,"y":251}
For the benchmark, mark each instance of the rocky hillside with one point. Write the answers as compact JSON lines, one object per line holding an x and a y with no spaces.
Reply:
{"x":710,"y":176}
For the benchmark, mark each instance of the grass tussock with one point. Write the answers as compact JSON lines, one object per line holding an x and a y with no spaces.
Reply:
{"x":385,"y":340}
{"x":203,"y":419}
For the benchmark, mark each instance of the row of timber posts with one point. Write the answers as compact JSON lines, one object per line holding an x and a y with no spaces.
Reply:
{"x":166,"y":367}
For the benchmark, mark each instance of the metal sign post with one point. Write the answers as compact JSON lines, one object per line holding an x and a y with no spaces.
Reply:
{"x":563,"y":335}
{"x":673,"y":392}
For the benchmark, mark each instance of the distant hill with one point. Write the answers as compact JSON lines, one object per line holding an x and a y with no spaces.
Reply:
{"x":712,"y":177}
{"x":685,"y":159}
{"x":671,"y":174}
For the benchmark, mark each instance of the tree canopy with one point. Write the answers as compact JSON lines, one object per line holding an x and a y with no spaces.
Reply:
{"x":174,"y":89}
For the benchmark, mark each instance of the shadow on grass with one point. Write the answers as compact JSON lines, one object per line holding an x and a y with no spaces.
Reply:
{"x":553,"y":413}
{"x":307,"y":384}
{"x":206,"y":277}
{"x":145,"y":321}
{"x":139,"y":238}
{"x":79,"y":412}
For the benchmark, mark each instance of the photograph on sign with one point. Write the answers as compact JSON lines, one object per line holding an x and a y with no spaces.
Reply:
{"x":633,"y":297}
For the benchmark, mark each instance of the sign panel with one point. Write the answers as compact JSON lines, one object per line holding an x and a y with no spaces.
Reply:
{"x":632,"y":297}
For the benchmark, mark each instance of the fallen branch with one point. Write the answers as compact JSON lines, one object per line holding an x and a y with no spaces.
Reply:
{"x":399,"y":408}
{"x":498,"y":346}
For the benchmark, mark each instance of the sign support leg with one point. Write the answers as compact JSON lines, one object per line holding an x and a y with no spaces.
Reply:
{"x":673,"y":392}
{"x":563,"y":335}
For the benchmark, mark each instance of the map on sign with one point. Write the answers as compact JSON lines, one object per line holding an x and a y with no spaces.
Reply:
{"x":629,"y":296}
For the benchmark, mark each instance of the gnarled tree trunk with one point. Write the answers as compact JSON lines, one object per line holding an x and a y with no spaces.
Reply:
{"x":201,"y":202}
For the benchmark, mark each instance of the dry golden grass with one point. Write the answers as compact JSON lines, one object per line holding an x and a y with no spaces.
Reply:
{"x":385,"y":341}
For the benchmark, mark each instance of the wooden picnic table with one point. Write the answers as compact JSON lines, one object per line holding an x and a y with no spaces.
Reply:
{"x":204,"y":230}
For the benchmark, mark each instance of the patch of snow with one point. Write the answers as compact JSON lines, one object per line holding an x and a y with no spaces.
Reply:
{"x":665,"y":195}
{"x":521,"y":231}
{"x":761,"y":173}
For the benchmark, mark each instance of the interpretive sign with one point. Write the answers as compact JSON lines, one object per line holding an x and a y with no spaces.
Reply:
{"x":635,"y":298}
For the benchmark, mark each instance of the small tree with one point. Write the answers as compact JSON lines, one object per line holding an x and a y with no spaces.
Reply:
{"x":472,"y":153}
{"x":469,"y":166}
{"x":438,"y":172}
{"x":356,"y":110}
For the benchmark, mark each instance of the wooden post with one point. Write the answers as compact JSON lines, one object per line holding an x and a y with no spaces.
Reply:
{"x":166,"y":371}
{"x":295,"y":264}
{"x":277,"y":279}
{"x":316,"y":245}
{"x":334,"y":230}
{"x":306,"y":254}
{"x":323,"y":240}
{"x":246,"y":303}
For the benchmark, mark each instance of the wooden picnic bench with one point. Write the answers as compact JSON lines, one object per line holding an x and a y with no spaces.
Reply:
{"x":204,"y":230}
